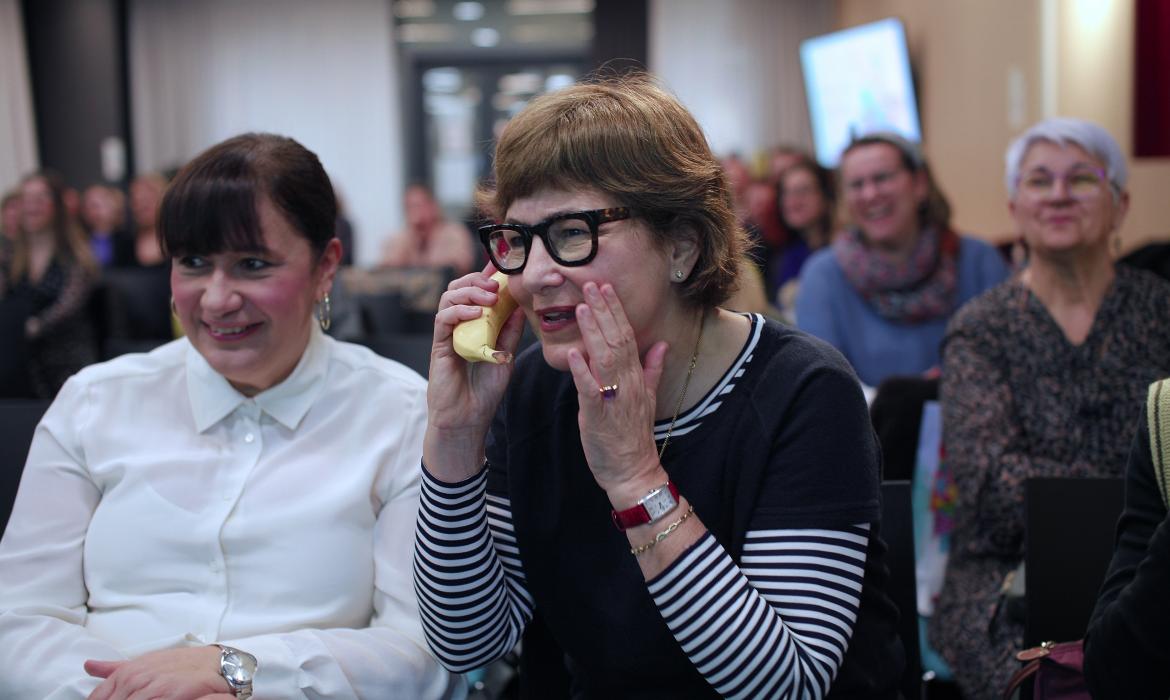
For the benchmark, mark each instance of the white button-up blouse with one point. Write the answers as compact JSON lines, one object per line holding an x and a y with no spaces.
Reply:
{"x":161,"y":508}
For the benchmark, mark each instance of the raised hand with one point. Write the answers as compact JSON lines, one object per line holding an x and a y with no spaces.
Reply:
{"x":462,"y":397}
{"x":617,"y":426}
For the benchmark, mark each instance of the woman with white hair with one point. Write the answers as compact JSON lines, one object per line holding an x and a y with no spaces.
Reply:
{"x":1043,"y":376}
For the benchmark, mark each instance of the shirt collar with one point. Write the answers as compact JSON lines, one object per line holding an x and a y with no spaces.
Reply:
{"x":213,"y":398}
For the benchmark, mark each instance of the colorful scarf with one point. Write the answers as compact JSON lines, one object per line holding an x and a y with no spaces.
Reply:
{"x":921,"y":287}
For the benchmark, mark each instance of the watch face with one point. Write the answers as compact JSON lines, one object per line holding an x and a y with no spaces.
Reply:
{"x":237,"y":667}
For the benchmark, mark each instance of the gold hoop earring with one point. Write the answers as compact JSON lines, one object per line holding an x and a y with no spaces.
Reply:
{"x":325,"y":313}
{"x":174,"y":309}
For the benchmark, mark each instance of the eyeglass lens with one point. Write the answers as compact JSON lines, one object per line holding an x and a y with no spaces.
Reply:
{"x":1079,"y":183}
{"x":569,"y":240}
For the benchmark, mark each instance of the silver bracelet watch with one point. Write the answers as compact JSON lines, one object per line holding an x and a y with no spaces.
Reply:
{"x":238,"y":668}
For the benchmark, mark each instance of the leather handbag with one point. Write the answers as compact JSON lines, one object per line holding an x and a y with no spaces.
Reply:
{"x":1055,"y":669}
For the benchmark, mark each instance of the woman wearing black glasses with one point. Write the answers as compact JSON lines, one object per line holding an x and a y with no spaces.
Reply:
{"x":687,"y":497}
{"x":1043,"y":376}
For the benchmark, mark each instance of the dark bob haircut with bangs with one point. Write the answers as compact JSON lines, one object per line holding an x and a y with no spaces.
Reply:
{"x":631,"y":140}
{"x":210,"y":207}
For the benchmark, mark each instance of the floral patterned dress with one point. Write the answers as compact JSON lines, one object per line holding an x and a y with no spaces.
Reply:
{"x":1021,"y":401}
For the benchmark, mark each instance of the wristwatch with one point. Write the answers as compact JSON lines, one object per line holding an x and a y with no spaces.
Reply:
{"x":651,"y":508}
{"x":238,"y":668}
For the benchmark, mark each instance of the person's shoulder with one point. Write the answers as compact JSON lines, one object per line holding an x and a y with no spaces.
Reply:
{"x":1143,"y":282}
{"x":990,"y":308}
{"x":135,"y":366}
{"x":370,"y":371}
{"x":789,"y":352}
{"x":820,"y":263}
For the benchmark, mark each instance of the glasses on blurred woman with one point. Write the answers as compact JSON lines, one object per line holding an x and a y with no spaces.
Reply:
{"x":1079,"y":183}
{"x":570,"y":239}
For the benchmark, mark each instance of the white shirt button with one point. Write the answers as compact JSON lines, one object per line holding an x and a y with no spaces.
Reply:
{"x":249,"y":438}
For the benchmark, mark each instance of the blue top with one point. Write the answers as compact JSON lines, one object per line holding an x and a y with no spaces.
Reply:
{"x":829,"y":307}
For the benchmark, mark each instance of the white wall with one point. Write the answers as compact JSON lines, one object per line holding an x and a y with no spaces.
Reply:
{"x":321,"y":72}
{"x":735,"y":64}
{"x":18,"y":139}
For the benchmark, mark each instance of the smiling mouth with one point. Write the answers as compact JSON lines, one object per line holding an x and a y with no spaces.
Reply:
{"x":231,"y":333}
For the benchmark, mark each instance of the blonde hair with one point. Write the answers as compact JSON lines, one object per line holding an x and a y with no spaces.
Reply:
{"x":631,"y":140}
{"x":69,"y":241}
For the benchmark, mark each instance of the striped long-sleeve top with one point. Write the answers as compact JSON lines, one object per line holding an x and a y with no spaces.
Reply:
{"x":768,"y":603}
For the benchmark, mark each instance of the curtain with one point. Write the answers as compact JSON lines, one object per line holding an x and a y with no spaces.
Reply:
{"x":736,"y":66}
{"x":321,"y":73}
{"x":1151,"y":106}
{"x":18,"y":139}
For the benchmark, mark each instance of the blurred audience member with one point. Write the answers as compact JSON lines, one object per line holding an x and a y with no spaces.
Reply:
{"x":882,"y":293}
{"x":807,"y":201}
{"x":429,"y":240}
{"x":145,"y":196}
{"x":1044,"y":376}
{"x":10,"y":214}
{"x":781,"y":158}
{"x":103,"y":214}
{"x":50,"y":277}
{"x":1126,"y":646}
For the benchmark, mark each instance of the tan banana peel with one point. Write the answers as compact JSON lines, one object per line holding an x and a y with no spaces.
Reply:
{"x":475,"y":340}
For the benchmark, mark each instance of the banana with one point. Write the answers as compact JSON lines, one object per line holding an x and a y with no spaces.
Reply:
{"x":475,"y":340}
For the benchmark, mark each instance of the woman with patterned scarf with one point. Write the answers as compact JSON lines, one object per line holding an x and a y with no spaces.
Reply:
{"x":883,"y":292}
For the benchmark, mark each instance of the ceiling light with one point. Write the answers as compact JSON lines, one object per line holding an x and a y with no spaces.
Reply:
{"x":467,"y":11}
{"x":485,"y":37}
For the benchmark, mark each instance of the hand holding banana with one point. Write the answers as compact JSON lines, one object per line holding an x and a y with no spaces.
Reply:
{"x":475,"y":340}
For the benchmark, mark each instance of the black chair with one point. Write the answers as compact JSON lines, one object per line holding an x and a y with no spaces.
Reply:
{"x":14,"y":351}
{"x":382,"y":313}
{"x":18,"y":419}
{"x":896,"y":414}
{"x":136,"y":303}
{"x":897,"y":532}
{"x":411,"y":349}
{"x":1070,"y":526}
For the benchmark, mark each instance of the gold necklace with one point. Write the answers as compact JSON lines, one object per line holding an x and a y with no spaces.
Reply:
{"x":686,"y":384}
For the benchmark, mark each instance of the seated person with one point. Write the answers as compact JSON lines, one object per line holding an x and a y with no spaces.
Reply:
{"x":51,"y":275}
{"x":103,"y":214}
{"x":228,"y":514}
{"x":145,"y":195}
{"x":735,"y":455}
{"x":1127,"y":647}
{"x":883,"y":291}
{"x":1043,"y":376}
{"x":428,"y":240}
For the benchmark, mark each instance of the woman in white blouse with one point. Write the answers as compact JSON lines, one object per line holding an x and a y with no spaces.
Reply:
{"x":228,"y":514}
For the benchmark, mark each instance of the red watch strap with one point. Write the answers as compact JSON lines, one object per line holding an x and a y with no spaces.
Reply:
{"x":637,"y":514}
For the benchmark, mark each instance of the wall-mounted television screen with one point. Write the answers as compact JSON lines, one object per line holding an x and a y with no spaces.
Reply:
{"x":858,"y":80}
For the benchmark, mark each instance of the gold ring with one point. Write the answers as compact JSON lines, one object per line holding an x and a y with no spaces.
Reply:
{"x":608,"y":391}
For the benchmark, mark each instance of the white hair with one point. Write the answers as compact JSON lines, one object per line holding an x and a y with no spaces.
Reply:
{"x":1065,"y":131}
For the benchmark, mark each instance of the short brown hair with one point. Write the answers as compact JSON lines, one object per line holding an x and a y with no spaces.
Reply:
{"x":211,"y":205}
{"x":633,"y":141}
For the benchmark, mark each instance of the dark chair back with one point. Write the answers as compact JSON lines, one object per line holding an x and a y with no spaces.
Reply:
{"x":136,"y":303}
{"x":896,"y":413}
{"x":411,"y":349}
{"x":18,"y":419}
{"x":897,"y":532}
{"x":1070,"y":525}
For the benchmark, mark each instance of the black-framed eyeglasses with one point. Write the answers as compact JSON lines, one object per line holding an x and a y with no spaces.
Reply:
{"x":570,"y":238}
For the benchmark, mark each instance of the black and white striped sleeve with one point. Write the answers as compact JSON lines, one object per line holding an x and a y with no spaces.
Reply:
{"x":778,"y":625}
{"x":467,"y":573}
